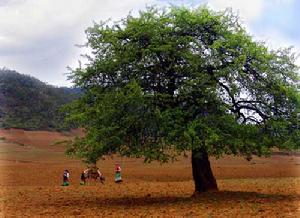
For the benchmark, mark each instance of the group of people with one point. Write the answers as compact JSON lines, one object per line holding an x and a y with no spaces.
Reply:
{"x":94,"y":173}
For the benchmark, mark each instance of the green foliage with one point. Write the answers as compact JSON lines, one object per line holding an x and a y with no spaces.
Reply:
{"x":28,"y":103}
{"x":174,"y":80}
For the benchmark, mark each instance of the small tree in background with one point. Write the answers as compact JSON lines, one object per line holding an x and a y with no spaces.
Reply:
{"x":177,"y":80}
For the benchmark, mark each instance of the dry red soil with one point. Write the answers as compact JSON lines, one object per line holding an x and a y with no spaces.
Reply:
{"x":32,"y":163}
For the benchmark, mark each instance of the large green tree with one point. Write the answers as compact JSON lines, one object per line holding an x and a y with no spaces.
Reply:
{"x":177,"y":80}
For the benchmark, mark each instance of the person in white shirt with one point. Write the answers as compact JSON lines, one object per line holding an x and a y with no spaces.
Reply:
{"x":66,"y":178}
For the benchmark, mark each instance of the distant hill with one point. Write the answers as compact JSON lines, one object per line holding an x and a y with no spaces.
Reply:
{"x":28,"y":103}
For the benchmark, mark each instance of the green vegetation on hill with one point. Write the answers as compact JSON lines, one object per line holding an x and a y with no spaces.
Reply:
{"x":27,"y":103}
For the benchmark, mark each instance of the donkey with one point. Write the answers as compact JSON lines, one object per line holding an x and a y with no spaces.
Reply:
{"x":92,"y":173}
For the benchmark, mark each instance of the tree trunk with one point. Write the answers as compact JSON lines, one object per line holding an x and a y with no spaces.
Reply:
{"x":202,"y":173}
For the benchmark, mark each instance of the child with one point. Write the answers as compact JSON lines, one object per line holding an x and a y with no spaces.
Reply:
{"x":101,"y":177}
{"x":118,"y":177}
{"x":82,"y":178}
{"x":66,"y":177}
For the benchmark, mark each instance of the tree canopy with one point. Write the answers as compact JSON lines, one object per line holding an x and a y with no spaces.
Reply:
{"x":174,"y":80}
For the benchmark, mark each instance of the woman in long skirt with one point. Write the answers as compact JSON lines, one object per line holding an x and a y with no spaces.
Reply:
{"x":118,"y":177}
{"x":66,"y":177}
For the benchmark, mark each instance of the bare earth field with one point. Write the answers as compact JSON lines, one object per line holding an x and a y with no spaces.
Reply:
{"x":32,"y":163}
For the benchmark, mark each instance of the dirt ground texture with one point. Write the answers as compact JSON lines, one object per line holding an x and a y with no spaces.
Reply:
{"x":32,"y":163}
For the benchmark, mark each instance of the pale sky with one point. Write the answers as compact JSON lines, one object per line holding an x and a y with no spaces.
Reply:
{"x":38,"y":37}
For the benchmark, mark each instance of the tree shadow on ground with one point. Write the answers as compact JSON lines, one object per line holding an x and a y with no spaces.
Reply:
{"x":210,"y":197}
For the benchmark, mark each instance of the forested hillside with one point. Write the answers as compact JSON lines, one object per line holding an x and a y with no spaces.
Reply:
{"x":28,"y":103}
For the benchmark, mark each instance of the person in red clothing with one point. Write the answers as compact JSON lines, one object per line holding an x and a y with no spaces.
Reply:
{"x":118,"y":177}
